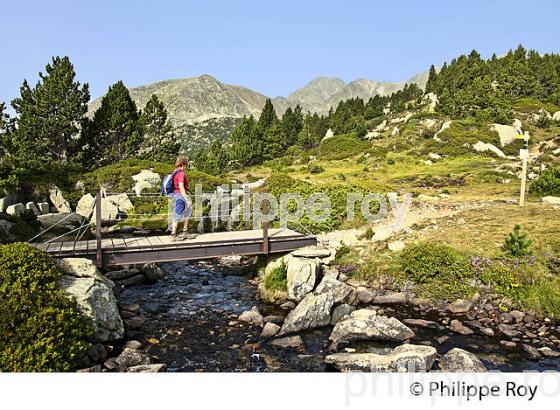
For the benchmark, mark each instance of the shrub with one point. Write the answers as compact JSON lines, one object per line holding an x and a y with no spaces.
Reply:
{"x":548,"y":183}
{"x":342,"y":146}
{"x":315,"y":169}
{"x":40,"y":328}
{"x":517,"y":244}
{"x":277,"y":279}
{"x":427,"y":262}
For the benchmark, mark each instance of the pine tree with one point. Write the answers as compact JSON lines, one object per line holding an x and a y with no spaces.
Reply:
{"x":432,"y":77}
{"x":158,"y":142}
{"x":50,"y":114}
{"x":247,"y":143}
{"x":517,"y":244}
{"x":115,"y":132}
{"x":4,"y":131}
{"x":268,"y":115}
{"x":292,"y":122}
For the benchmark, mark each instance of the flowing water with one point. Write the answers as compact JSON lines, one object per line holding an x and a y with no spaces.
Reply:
{"x":192,"y":326}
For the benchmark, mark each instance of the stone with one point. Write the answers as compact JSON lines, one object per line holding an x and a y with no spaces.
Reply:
{"x":339,"y":290}
{"x":252,"y":317}
{"x":152,"y":272}
{"x":146,"y":179}
{"x":404,"y":358}
{"x":556,"y":116}
{"x":531,"y":352}
{"x":62,"y":221}
{"x":460,"y":306}
{"x":97,"y":352}
{"x":121,"y":201}
{"x":312,"y":252}
{"x":30,"y":206}
{"x":442,"y":339}
{"x":15,"y":209}
{"x":288,"y":342}
{"x":506,"y":133}
{"x":7,"y":200}
{"x":122,"y":274}
{"x":44,"y":207}
{"x":96,"y":300}
{"x":517,"y":315}
{"x":390,"y":298}
{"x":457,"y":327}
{"x":269,"y":330}
{"x":133,"y":344}
{"x":312,"y":312}
{"x":553,"y":200}
{"x":277,"y":319}
{"x":364,"y":295}
{"x":109,"y":211}
{"x":421,"y":323}
{"x":340,"y":311}
{"x":83,"y":268}
{"x":508,"y":330}
{"x":508,"y":344}
{"x":5,"y":229}
{"x":58,"y":201}
{"x":364,"y":324}
{"x":459,"y":360}
{"x":134,"y":307}
{"x":135,"y":322}
{"x":148,"y":368}
{"x":132,"y":281}
{"x":396,"y":246}
{"x":483,"y":147}
{"x":288,"y":305}
{"x":548,"y":352}
{"x":328,"y":134}
{"x":301,"y":277}
{"x":131,"y":357}
{"x":85,"y":206}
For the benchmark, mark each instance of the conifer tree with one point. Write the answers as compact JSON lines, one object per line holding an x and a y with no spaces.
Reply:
{"x":268,"y":115}
{"x":158,"y":142}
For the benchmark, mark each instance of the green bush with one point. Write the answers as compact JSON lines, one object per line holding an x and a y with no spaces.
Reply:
{"x":427,"y":262}
{"x":277,"y":279}
{"x":548,"y":183}
{"x":40,"y":328}
{"x":315,"y":169}
{"x":342,"y":146}
{"x":517,"y":244}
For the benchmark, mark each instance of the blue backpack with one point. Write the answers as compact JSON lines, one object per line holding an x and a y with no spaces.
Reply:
{"x":167,"y":185}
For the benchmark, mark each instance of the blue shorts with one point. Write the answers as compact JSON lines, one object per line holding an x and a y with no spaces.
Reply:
{"x":182,"y":209}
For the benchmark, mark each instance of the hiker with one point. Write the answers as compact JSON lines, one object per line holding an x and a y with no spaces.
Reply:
{"x":182,"y":203}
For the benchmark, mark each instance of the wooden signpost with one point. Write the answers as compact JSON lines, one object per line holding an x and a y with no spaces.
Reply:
{"x":524,"y":156}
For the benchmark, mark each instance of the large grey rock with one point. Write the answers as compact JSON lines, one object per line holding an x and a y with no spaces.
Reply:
{"x":5,"y":228}
{"x":121,"y":201}
{"x":44,"y":207}
{"x":7,"y":200}
{"x":554,"y":200}
{"x":94,"y":296}
{"x":364,"y":324}
{"x":15,"y":209}
{"x":390,"y":298}
{"x":340,"y":311}
{"x":270,"y":329}
{"x":62,"y":221}
{"x":483,"y":147}
{"x":506,"y":133}
{"x":30,"y":206}
{"x":252,"y":316}
{"x":339,"y":290}
{"x":301,"y":276}
{"x":288,"y":342}
{"x":148,"y":368}
{"x":131,"y":358}
{"x":404,"y":358}
{"x":58,"y":201}
{"x":312,"y":312}
{"x":459,"y":360}
{"x":109,"y":211}
{"x":146,"y":179}
{"x":312,"y":252}
{"x":85,"y":206}
{"x":152,"y":272}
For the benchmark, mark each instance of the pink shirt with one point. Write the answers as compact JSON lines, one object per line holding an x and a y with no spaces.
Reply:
{"x":178,"y":178}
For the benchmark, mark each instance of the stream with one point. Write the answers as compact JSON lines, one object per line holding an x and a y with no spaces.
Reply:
{"x":192,"y":326}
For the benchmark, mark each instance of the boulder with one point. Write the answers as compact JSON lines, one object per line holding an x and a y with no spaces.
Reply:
{"x":339,"y":290}
{"x":94,"y":296}
{"x":483,"y":147}
{"x":312,"y":252}
{"x":152,"y":272}
{"x":396,"y":246}
{"x":5,"y":229}
{"x":109,"y":211}
{"x":7,"y":200}
{"x":58,"y":201}
{"x":62,"y":221}
{"x":508,"y":330}
{"x":256,"y":184}
{"x":444,"y":126}
{"x":131,"y":357}
{"x":15,"y":209}
{"x":301,"y":276}
{"x":554,"y":200}
{"x":431,"y":99}
{"x":328,"y":134}
{"x":288,"y":342}
{"x":44,"y":207}
{"x":115,"y":275}
{"x":404,"y":358}
{"x":30,"y":206}
{"x":460,"y":306}
{"x":148,"y":368}
{"x":390,"y":298}
{"x":340,"y":311}
{"x":421,"y":323}
{"x":459,"y":360}
{"x":517,"y":124}
{"x":252,"y":316}
{"x":458,"y":327}
{"x":121,"y":201}
{"x":312,"y":312}
{"x":146,"y":179}
{"x":364,"y":324}
{"x":531,"y":352}
{"x":269,"y":330}
{"x":506,"y":133}
{"x":85,"y":205}
{"x":556,"y":116}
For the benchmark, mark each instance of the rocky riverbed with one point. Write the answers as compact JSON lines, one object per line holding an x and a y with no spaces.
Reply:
{"x":206,"y":317}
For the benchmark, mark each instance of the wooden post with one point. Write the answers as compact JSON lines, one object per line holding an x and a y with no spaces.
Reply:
{"x":266,"y":209}
{"x":246,"y":207}
{"x":524,"y":153}
{"x":99,"y":252}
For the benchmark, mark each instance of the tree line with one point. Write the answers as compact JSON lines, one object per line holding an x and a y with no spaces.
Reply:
{"x":470,"y":86}
{"x":51,"y":126}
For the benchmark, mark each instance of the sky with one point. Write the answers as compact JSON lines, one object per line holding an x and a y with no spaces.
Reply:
{"x":270,"y":47}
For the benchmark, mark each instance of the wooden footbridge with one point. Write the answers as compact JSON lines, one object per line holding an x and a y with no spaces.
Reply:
{"x":122,"y":250}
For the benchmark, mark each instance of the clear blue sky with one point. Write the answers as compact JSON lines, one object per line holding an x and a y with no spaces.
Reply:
{"x":271,"y":47}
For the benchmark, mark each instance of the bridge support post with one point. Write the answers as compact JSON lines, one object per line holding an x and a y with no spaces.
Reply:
{"x":266,"y":210}
{"x":246,"y":207}
{"x":99,"y":251}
